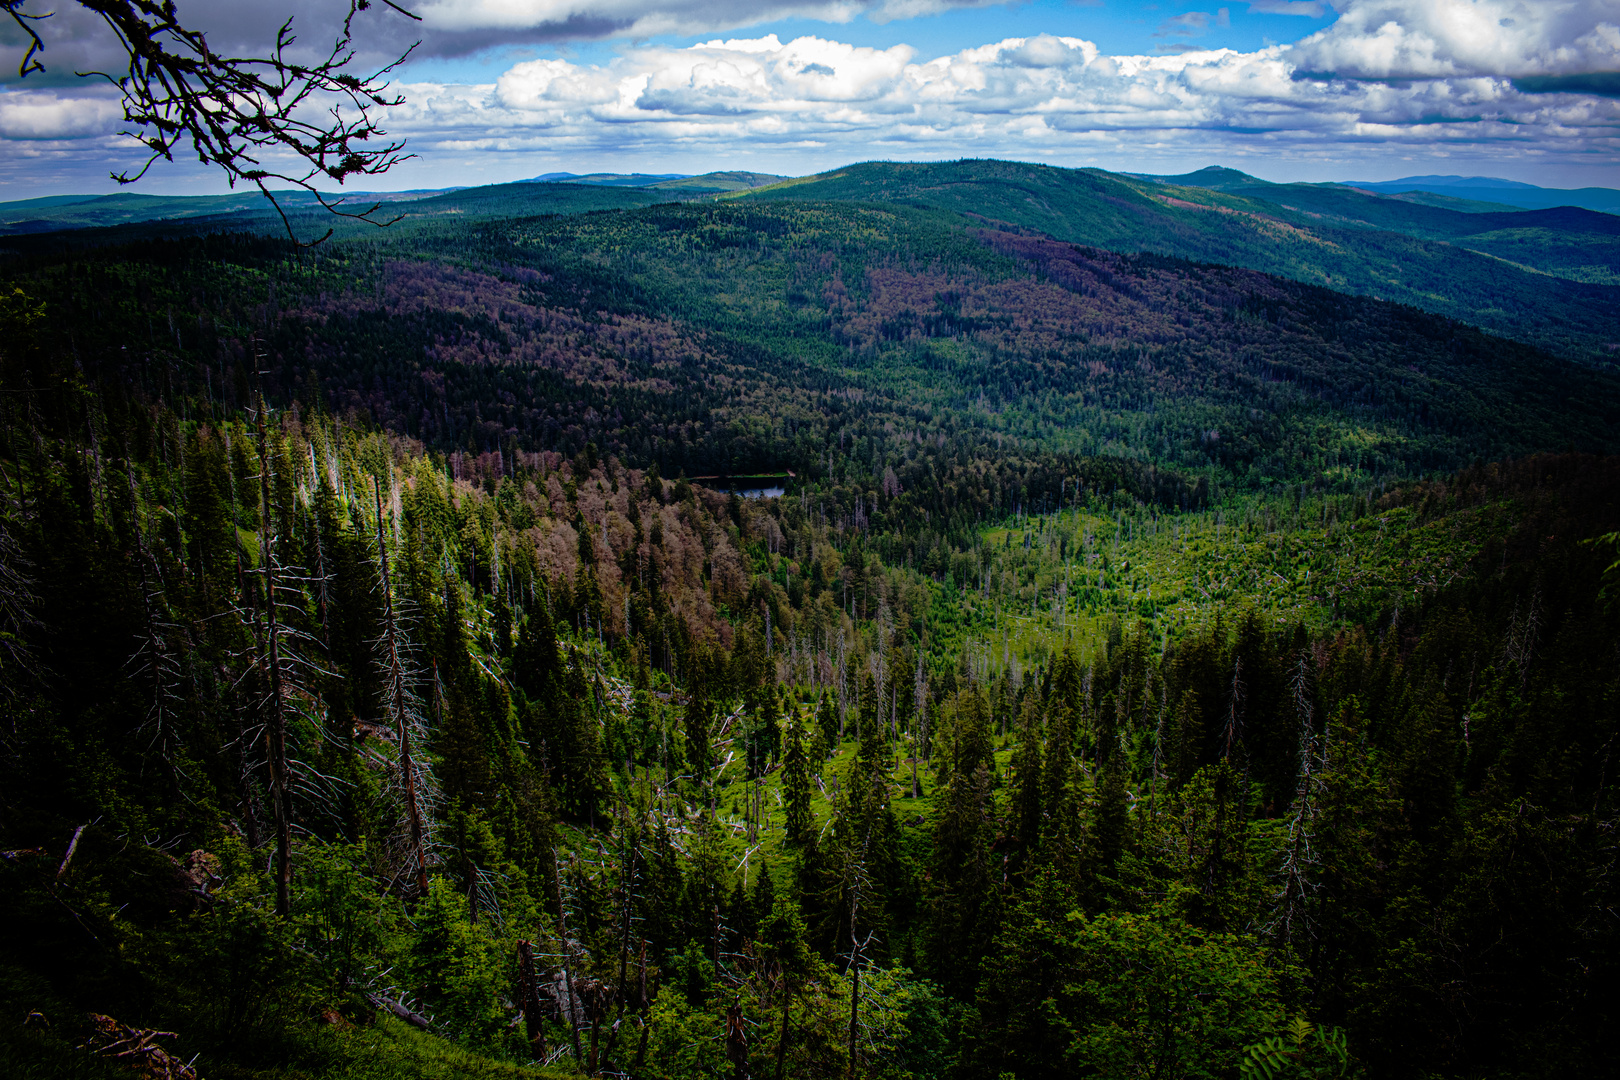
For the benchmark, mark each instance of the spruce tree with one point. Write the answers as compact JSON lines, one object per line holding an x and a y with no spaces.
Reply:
{"x":796,"y":779}
{"x":1027,"y":778}
{"x":697,"y":723}
{"x":962,"y":900}
{"x":826,"y":726}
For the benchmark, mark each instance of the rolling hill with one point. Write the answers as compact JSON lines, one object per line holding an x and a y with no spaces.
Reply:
{"x":1490,"y":189}
{"x":1506,"y":279}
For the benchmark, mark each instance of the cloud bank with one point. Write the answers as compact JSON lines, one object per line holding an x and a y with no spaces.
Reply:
{"x":1484,"y":80}
{"x":1441,"y":39}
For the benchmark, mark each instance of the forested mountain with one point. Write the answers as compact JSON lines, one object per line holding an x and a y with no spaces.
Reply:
{"x":1430,"y":258}
{"x":1150,"y":667}
{"x":1488,"y":189}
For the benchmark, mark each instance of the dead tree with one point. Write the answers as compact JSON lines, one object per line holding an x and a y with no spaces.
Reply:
{"x":276,"y":715}
{"x":857,"y":946}
{"x":737,"y":1041}
{"x":235,"y":110}
{"x":1291,"y":917}
{"x":404,"y":712}
{"x":629,"y":877}
{"x":158,"y":656}
{"x":567,"y":968}
{"x":282,"y":672}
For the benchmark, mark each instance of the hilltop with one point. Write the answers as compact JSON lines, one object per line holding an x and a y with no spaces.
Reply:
{"x":1555,"y":287}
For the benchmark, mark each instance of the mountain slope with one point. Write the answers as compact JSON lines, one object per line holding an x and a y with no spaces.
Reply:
{"x":1490,"y":189}
{"x":1566,"y":241}
{"x":97,"y":221}
{"x":714,"y":182}
{"x":1341,"y":249}
{"x":717,"y":337}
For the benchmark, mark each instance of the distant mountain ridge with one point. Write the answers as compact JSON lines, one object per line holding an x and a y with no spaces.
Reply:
{"x":604,"y":179}
{"x":1455,"y":192}
{"x":1408,"y":183}
{"x":1501,"y":273}
{"x":1493,"y":189}
{"x":1549,"y":276}
{"x":705,"y":183}
{"x":549,"y":193}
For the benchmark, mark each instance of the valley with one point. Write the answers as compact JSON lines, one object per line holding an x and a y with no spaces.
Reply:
{"x":962,"y":620}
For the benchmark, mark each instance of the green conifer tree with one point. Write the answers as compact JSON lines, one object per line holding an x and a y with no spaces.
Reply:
{"x":796,"y":779}
{"x":1027,"y":778}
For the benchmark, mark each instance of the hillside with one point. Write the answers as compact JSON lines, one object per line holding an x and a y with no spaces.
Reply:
{"x":1349,"y":241}
{"x":1567,"y":241}
{"x":703,"y":184}
{"x":1152,"y":665}
{"x":713,"y":182}
{"x":720,"y":338}
{"x":96,"y":220}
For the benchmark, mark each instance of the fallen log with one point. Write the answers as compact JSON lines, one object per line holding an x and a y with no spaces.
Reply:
{"x":417,"y":1019}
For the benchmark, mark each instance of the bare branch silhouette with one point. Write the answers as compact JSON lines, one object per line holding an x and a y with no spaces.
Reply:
{"x":246,"y":113}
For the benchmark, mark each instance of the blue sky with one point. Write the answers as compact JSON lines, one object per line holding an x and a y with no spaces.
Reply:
{"x":1119,"y":27}
{"x":1284,"y":89}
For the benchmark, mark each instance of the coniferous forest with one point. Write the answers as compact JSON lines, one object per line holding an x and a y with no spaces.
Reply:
{"x":797,"y":636}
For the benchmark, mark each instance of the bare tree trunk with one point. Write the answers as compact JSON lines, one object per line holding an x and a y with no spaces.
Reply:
{"x":399,"y":705}
{"x":854,"y":1005}
{"x":641,"y":1044}
{"x":568,"y":978}
{"x":595,"y":1017}
{"x":276,"y":722}
{"x":244,"y":778}
{"x":781,"y":1046}
{"x":737,"y":1042}
{"x":631,"y":863}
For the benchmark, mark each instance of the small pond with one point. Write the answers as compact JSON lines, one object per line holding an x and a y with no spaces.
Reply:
{"x":769,"y":486}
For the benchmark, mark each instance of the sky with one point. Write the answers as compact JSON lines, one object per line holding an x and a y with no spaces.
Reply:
{"x":500,"y":90}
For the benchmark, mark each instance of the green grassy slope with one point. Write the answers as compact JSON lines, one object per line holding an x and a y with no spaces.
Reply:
{"x":385,"y":1049}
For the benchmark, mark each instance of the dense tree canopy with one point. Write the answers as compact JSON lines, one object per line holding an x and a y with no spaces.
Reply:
{"x":1136,"y":673}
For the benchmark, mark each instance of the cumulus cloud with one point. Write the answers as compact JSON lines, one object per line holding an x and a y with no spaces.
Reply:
{"x":1039,"y":96}
{"x":35,"y":115}
{"x":1413,"y":81}
{"x":1438,"y":39}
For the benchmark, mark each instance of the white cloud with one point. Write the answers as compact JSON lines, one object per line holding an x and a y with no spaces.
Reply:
{"x":1043,"y":97}
{"x":1428,"y":85}
{"x":1436,"y":39}
{"x":36,"y":115}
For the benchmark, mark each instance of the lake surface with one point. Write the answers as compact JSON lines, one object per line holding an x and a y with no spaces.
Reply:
{"x":769,"y":486}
